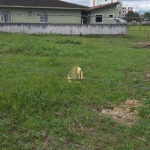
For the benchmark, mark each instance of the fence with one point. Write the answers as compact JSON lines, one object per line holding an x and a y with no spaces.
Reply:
{"x":66,"y":29}
{"x":139,"y":31}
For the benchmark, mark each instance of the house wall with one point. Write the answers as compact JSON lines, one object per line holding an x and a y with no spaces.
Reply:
{"x":19,"y":15}
{"x":105,"y":12}
{"x":65,"y":29}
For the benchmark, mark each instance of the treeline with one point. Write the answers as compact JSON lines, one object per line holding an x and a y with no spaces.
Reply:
{"x":133,"y":16}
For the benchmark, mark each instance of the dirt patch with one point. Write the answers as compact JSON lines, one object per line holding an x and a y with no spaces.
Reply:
{"x":147,"y":46}
{"x":144,"y":43}
{"x":126,"y":113}
{"x":48,"y":142}
{"x":141,"y":45}
{"x":148,"y":75}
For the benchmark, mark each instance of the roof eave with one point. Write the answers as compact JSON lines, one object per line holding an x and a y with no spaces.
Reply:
{"x":44,"y":7}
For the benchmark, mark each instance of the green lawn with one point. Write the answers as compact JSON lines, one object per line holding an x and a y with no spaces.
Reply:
{"x":39,"y":109}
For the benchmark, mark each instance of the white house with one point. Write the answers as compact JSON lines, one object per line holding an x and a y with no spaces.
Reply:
{"x":126,"y":8}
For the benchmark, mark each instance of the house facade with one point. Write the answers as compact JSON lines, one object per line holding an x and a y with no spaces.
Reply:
{"x":127,"y":8}
{"x":103,"y":14}
{"x":55,"y":12}
{"x":37,"y":11}
{"x":39,"y":15}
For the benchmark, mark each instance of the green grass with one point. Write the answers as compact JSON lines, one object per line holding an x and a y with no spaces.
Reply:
{"x":39,"y":109}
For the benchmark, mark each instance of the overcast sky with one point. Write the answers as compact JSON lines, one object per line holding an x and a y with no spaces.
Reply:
{"x":143,"y":5}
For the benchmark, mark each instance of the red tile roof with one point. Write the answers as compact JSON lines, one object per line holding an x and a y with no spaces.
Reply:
{"x":102,"y":6}
{"x":40,"y":3}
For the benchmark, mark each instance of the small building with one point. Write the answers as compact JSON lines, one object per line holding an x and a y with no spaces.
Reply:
{"x":103,"y":13}
{"x":55,"y":11}
{"x":127,"y":8}
{"x":40,"y":11}
{"x":105,"y":2}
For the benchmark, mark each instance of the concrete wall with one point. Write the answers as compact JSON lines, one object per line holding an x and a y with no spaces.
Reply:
{"x":105,"y":12}
{"x":19,"y":15}
{"x":66,"y":29}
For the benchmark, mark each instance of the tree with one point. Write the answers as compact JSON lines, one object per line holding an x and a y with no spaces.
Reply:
{"x":132,"y":16}
{"x":147,"y":16}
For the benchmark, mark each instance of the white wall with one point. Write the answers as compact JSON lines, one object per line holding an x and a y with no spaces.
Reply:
{"x":65,"y":29}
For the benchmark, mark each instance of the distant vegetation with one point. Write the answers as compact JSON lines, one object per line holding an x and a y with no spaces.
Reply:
{"x":134,"y":16}
{"x":147,"y":15}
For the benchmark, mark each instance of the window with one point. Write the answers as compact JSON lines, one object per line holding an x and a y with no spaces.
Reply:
{"x":6,"y":16}
{"x":99,"y":18}
{"x":43,"y":17}
{"x":111,"y":16}
{"x":130,"y":8}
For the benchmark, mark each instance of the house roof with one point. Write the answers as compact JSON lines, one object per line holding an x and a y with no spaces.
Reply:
{"x":102,"y":6}
{"x":40,"y":3}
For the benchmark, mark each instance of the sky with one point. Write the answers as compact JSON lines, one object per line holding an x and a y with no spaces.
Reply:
{"x":143,"y":5}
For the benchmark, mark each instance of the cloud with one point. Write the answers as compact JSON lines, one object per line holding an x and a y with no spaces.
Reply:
{"x":143,"y":5}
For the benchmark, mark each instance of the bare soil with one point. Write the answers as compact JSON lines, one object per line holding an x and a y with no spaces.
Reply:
{"x":142,"y":44}
{"x":148,"y":75}
{"x":126,"y":113}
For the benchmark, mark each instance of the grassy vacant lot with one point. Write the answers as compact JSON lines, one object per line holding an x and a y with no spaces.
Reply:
{"x":39,"y":109}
